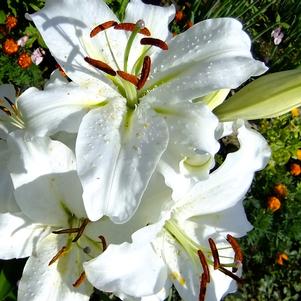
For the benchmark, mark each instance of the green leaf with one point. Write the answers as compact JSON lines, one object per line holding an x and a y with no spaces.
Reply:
{"x":2,"y":17}
{"x":5,"y":287}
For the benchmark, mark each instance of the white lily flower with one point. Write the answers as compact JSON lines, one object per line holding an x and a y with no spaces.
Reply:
{"x":139,"y":99}
{"x":192,"y":244}
{"x":50,"y":226}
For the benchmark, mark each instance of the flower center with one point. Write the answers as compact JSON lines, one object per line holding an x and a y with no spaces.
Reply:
{"x":207,"y":256}
{"x":129,"y":83}
{"x":74,"y":235}
{"x":11,"y":113}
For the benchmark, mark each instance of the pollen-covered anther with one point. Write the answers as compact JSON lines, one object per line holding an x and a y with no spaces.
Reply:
{"x":101,"y":66}
{"x":5,"y":110}
{"x":132,"y":27}
{"x":154,"y":42}
{"x":66,"y":231}
{"x":102,"y":27}
{"x":203,"y":287}
{"x":81,"y":229}
{"x":230,"y":274}
{"x":238,"y":257}
{"x":103,"y":242}
{"x":82,"y":277}
{"x":58,"y":255}
{"x":214,"y":251}
{"x":204,"y":265}
{"x":144,"y":72}
{"x":128,"y":77}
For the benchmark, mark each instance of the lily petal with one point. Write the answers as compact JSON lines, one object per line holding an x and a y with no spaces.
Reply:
{"x":65,"y":27}
{"x":200,"y":60}
{"x":53,"y":283}
{"x":220,"y":192}
{"x":19,"y":235}
{"x":117,"y":152}
{"x":120,"y":267}
{"x":60,"y":107}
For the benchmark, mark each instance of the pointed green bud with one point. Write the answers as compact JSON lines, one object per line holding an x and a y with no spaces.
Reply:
{"x":268,"y":96}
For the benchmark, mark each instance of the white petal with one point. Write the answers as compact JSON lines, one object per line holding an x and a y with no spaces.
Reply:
{"x":56,"y":79}
{"x":53,"y":283}
{"x":60,"y":107}
{"x":120,"y":267}
{"x":117,"y":152}
{"x":19,"y":235}
{"x":32,"y":157}
{"x":156,"y":18}
{"x":213,"y":54}
{"x":65,"y":27}
{"x":192,"y":144}
{"x":7,"y":199}
{"x":43,"y":172}
{"x":231,"y":181}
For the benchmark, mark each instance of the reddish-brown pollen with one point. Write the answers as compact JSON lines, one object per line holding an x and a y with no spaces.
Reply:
{"x":103,"y":242}
{"x":63,"y":251}
{"x":132,"y":27}
{"x":236,"y":247}
{"x":204,"y":265}
{"x":128,"y":77}
{"x":101,"y":66}
{"x":214,"y":251}
{"x":5,"y":110}
{"x":154,"y":42}
{"x":144,"y":72}
{"x":81,"y":229}
{"x":82,"y":277}
{"x":101,"y":27}
{"x":203,"y":287}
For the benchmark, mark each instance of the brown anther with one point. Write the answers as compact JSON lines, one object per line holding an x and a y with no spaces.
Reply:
{"x":230,"y":274}
{"x":204,"y":265}
{"x":100,"y":65}
{"x":82,"y":277}
{"x":81,"y":229}
{"x":214,"y":251}
{"x":5,"y":110}
{"x":235,"y":246}
{"x":132,"y":27}
{"x":10,"y":102}
{"x":59,"y":254}
{"x":101,"y":27}
{"x":154,"y":42}
{"x":144,"y":72}
{"x":103,"y":242}
{"x":203,"y":287}
{"x":66,"y":231}
{"x":128,"y":77}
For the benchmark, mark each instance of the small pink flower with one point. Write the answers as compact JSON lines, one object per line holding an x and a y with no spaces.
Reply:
{"x":278,"y":35}
{"x":38,"y":56}
{"x":22,"y":41}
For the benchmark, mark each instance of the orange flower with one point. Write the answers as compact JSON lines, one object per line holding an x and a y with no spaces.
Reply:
{"x":280,"y":257}
{"x":189,"y":24}
{"x":281,"y":190}
{"x":10,"y":46}
{"x":179,"y":16}
{"x":273,"y":203}
{"x":295,"y":169}
{"x":295,"y":112}
{"x":11,"y":22}
{"x":299,"y":154}
{"x":24,"y":60}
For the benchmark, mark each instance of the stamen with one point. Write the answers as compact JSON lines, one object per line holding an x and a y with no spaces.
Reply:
{"x":236,"y":247}
{"x":59,"y":254}
{"x":203,"y":287}
{"x":128,"y":77}
{"x":82,"y":277}
{"x":214,"y":251}
{"x":64,"y":231}
{"x":100,"y":65}
{"x":81,"y":229}
{"x":103,"y":242}
{"x":101,"y":27}
{"x":144,"y":72}
{"x":132,"y":27}
{"x":154,"y":42}
{"x":230,"y":274}
{"x":204,"y":265}
{"x":5,"y":110}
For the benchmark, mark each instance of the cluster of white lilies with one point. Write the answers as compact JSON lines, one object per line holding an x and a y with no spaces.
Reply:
{"x":106,"y":180}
